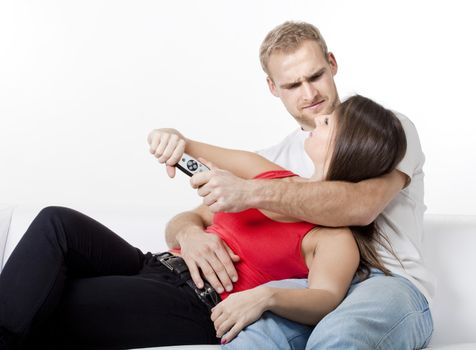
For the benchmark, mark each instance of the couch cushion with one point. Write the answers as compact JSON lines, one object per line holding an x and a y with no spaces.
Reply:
{"x":448,"y":246}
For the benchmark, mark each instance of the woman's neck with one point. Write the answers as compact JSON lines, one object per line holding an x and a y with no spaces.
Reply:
{"x":319,"y":174}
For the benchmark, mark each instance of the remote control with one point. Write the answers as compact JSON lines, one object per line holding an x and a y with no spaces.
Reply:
{"x":190,"y":165}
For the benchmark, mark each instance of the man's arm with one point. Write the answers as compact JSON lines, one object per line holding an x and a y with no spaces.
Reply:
{"x":327,"y":203}
{"x":202,"y":251}
{"x":205,"y":254}
{"x":188,"y":222}
{"x":332,"y":203}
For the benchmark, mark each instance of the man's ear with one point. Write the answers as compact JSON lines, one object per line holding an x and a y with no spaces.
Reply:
{"x":272,"y":86}
{"x":332,"y":62}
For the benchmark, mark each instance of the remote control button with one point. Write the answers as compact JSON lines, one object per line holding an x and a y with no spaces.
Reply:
{"x":192,"y":165}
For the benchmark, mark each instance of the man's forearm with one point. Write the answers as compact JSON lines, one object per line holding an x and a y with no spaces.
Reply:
{"x":181,"y":224}
{"x":327,"y":203}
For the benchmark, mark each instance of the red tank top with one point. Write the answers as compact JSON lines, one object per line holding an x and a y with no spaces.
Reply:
{"x":268,"y":250}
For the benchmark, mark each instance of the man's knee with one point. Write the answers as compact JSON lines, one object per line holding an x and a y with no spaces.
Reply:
{"x":365,"y":332}
{"x":379,"y":313}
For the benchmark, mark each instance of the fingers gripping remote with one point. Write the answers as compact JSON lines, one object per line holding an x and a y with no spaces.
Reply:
{"x":190,"y":165}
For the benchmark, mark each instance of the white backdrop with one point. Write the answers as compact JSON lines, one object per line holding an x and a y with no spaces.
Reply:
{"x":83,"y":82}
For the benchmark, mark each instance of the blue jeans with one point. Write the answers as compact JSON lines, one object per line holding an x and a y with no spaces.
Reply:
{"x":381,"y":312}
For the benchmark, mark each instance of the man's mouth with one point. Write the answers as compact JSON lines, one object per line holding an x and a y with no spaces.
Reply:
{"x":315,"y":105}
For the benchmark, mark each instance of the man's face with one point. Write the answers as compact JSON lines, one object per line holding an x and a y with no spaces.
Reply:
{"x":304,"y":81}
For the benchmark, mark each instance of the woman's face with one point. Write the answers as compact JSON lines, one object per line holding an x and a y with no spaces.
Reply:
{"x":320,"y":143}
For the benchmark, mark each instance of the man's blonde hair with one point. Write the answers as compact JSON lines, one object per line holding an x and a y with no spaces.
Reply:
{"x":286,"y":38}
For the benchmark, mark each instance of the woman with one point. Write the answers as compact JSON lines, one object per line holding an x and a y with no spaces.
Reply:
{"x":71,"y":282}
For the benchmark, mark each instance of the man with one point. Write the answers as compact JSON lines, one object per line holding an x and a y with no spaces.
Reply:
{"x":378,"y":313}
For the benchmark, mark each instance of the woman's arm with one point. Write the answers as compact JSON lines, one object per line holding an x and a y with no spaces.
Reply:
{"x":335,"y":261}
{"x":332,"y":263}
{"x":244,"y":164}
{"x":168,"y":145}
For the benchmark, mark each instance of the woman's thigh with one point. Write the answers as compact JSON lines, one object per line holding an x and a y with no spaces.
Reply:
{"x":60,"y":243}
{"x":129,"y":311}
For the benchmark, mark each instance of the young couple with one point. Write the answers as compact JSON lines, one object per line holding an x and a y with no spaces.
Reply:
{"x":351,"y":224}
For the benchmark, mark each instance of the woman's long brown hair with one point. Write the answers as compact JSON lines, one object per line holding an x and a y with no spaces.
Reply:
{"x":369,"y":142}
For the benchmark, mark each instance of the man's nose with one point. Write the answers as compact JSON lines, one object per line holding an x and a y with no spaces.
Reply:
{"x":309,"y":91}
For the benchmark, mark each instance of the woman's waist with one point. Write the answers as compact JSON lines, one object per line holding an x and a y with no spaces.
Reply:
{"x":175,"y":266}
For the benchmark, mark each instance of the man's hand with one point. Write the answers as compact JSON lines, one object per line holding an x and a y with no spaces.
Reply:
{"x":238,"y":311}
{"x":167,"y":145}
{"x":221,"y":190}
{"x":206,"y":252}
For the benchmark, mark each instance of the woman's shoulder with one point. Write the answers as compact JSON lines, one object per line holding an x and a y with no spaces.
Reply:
{"x":322,"y":235}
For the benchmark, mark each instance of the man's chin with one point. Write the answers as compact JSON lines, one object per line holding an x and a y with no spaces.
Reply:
{"x":307,"y":121}
{"x":306,"y":124}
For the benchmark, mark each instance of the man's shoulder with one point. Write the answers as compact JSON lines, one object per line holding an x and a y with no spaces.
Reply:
{"x":290,"y":154}
{"x":294,"y":137}
{"x":401,"y":116}
{"x":406,"y":121}
{"x":297,"y":134}
{"x":408,"y":126}
{"x":414,"y":159}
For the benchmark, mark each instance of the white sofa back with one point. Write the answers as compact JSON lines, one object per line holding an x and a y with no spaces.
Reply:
{"x":5,"y":220}
{"x":450,"y":251}
{"x":449,"y":248}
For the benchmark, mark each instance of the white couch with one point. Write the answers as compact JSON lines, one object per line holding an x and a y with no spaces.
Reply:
{"x":449,"y":249}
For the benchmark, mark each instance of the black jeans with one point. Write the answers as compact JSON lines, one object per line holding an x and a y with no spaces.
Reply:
{"x":73,"y":283}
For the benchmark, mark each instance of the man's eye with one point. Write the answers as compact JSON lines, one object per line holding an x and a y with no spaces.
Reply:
{"x":315,"y":77}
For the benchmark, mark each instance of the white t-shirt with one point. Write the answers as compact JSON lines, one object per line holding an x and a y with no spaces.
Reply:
{"x":401,"y":221}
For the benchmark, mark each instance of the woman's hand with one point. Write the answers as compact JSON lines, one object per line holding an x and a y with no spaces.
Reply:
{"x":238,"y":311}
{"x":168,"y":146}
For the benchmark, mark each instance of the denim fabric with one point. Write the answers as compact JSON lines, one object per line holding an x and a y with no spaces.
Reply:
{"x":381,"y":312}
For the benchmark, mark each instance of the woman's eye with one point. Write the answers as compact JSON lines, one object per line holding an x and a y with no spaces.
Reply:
{"x":326,"y":121}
